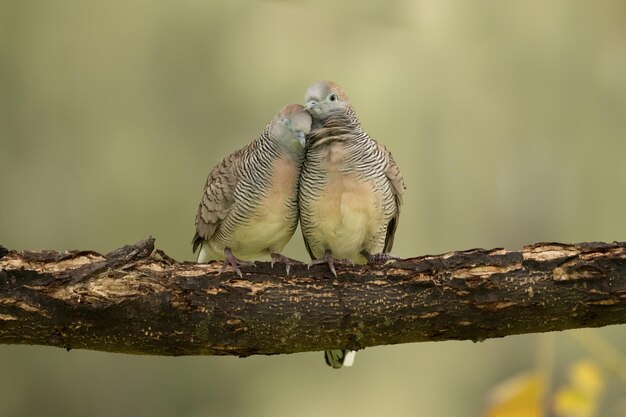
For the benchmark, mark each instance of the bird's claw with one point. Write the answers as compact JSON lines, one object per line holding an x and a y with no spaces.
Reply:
{"x":234,"y":262}
{"x":330,"y":261}
{"x":379,"y":257}
{"x":282,"y":259}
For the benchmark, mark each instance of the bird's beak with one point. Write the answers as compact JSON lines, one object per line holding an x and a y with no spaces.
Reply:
{"x":300,"y":137}
{"x":310,"y":104}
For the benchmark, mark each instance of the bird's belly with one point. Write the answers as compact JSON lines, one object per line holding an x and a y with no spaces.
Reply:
{"x":266,"y":233}
{"x":348,"y":212}
{"x":256,"y":239}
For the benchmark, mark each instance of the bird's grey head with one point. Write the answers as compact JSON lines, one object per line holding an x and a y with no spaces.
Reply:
{"x":290,"y":127}
{"x":325,"y":98}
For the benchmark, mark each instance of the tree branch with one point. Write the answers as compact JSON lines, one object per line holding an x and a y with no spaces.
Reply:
{"x":138,"y":300}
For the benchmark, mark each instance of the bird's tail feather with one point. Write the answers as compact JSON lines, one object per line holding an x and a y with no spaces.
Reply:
{"x":339,"y":358}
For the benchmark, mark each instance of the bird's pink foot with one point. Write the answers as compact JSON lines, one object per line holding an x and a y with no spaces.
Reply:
{"x":282,"y":259}
{"x":330,"y":261}
{"x":378,"y":257}
{"x":234,"y":262}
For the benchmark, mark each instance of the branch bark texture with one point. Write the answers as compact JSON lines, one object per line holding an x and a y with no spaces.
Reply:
{"x":138,"y":300}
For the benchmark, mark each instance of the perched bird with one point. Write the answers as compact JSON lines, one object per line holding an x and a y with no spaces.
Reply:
{"x":249,"y":207}
{"x":350,"y":190}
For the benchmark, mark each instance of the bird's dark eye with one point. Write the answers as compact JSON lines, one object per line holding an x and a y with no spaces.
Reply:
{"x":333,"y":97}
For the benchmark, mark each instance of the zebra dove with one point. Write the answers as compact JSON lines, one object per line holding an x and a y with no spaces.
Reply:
{"x":350,"y":190}
{"x":249,"y":207}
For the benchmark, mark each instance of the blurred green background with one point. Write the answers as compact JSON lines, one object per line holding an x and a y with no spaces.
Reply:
{"x":507,"y":119}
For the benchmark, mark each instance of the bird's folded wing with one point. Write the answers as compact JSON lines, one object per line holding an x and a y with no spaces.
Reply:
{"x":218,"y":197}
{"x":396,"y":180}
{"x":394,"y":176}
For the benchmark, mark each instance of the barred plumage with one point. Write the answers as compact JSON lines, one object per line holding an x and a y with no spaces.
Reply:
{"x":350,"y":188}
{"x":341,"y":156}
{"x":249,"y":207}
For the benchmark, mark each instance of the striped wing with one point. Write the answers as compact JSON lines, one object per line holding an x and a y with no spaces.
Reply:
{"x":396,"y":180}
{"x":217,"y":198}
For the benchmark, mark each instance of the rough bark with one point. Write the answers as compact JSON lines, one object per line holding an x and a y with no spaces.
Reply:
{"x":138,"y":300}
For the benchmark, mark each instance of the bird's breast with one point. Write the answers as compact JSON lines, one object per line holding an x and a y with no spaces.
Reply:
{"x":283,"y":188}
{"x":273,"y":221}
{"x":348,"y":210}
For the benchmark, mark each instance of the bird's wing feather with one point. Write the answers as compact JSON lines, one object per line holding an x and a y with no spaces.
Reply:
{"x":218,"y":196}
{"x":396,"y":180}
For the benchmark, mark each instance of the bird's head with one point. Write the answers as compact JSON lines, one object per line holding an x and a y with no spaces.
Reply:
{"x":291,"y":125}
{"x":325,"y":98}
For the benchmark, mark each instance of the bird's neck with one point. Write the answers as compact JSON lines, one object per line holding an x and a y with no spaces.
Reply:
{"x":290,"y":149}
{"x":341,"y":126}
